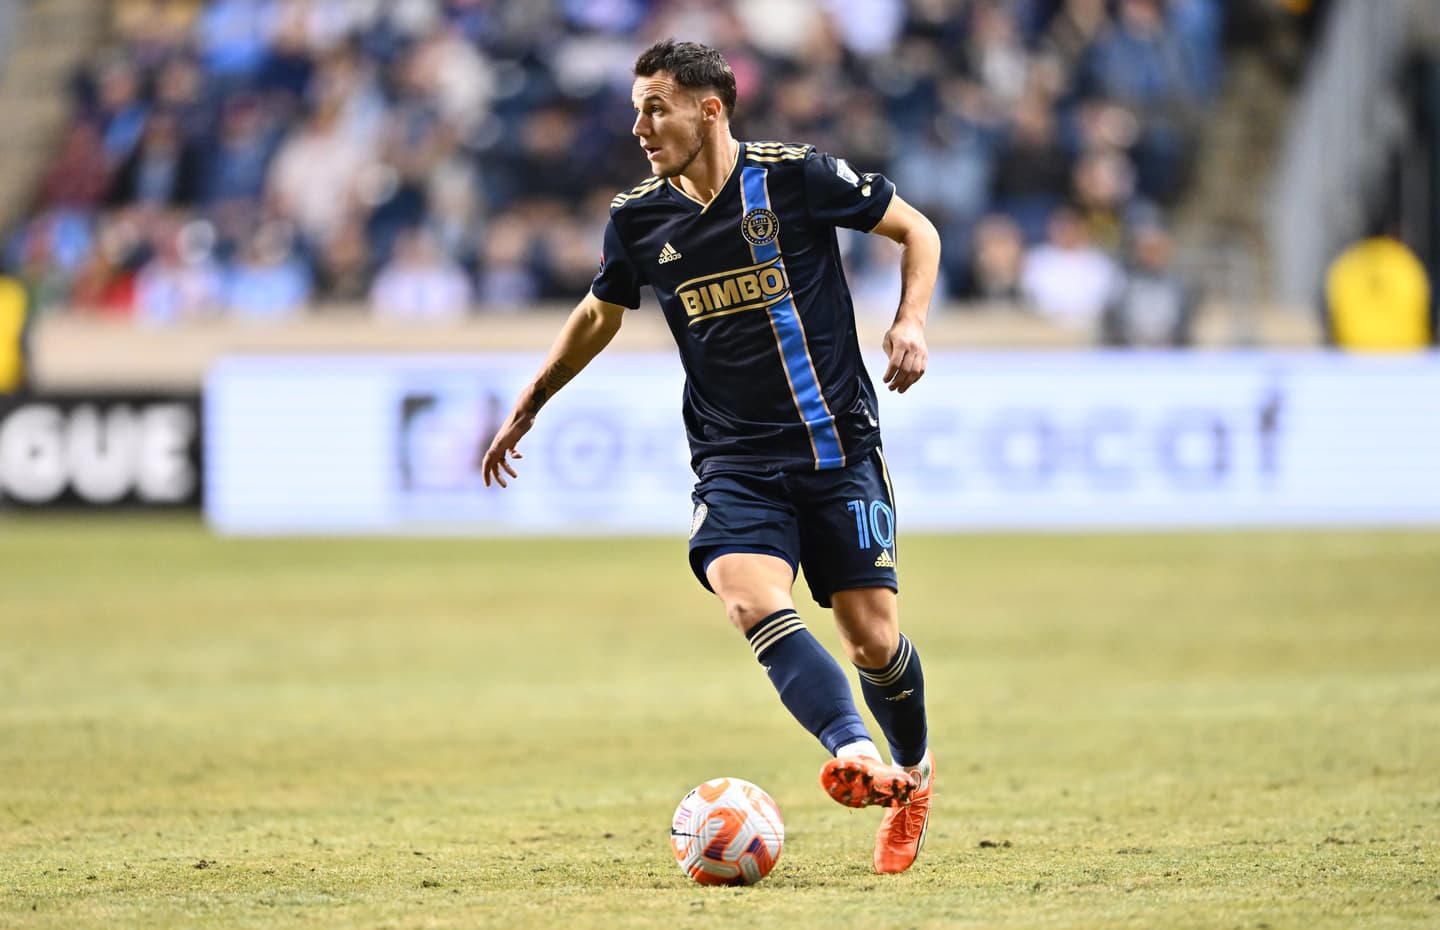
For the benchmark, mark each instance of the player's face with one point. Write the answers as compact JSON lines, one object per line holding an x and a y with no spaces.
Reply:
{"x":667,"y":122}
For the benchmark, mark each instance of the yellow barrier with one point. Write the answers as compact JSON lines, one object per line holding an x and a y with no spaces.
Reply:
{"x":12,"y":327}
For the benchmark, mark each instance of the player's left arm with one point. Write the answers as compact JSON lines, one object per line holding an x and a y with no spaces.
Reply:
{"x":919,"y":242}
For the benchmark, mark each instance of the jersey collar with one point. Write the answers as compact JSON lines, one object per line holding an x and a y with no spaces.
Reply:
{"x":729,"y":180}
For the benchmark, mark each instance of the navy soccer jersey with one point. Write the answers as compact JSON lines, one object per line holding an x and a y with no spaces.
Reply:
{"x":753,"y":291}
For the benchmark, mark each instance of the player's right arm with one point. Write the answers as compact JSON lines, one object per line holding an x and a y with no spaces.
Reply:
{"x":591,"y":326}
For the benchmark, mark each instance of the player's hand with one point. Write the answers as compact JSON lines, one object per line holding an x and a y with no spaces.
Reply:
{"x":495,"y":466}
{"x":905,"y":348}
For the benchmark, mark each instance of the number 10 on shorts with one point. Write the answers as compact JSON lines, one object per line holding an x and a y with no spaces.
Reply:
{"x":874,"y":520}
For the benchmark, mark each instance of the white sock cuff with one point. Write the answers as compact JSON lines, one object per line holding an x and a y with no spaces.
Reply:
{"x":861,"y":747}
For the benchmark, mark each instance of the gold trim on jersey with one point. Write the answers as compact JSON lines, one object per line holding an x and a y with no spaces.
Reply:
{"x":771,"y":152}
{"x":885,"y":474}
{"x":639,"y":190}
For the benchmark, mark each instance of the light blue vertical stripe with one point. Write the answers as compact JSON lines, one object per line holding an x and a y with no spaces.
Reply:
{"x":793,"y":351}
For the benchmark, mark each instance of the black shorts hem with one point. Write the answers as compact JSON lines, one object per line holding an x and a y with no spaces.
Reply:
{"x":853,"y":584}
{"x":702,"y":556}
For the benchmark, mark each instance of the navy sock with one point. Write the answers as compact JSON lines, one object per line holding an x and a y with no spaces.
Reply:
{"x":811,"y":683}
{"x":895,"y":694}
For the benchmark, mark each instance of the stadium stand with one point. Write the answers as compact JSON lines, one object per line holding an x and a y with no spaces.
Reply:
{"x":282,"y":149}
{"x":8,"y":19}
{"x":279,"y":159}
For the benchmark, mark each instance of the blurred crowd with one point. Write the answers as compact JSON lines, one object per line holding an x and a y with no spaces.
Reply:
{"x":430,"y":159}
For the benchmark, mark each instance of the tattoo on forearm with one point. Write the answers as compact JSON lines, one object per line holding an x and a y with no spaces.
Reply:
{"x":558,"y":376}
{"x":551,"y":380}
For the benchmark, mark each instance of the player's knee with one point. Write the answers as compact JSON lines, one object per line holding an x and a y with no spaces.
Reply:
{"x":744,"y":612}
{"x":869,"y":625}
{"x":872,"y":644}
{"x":874,"y":652}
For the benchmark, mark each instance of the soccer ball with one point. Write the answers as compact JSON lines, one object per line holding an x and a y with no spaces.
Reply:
{"x":727,"y":831}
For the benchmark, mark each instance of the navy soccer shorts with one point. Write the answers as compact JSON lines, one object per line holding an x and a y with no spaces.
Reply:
{"x":837,"y":525}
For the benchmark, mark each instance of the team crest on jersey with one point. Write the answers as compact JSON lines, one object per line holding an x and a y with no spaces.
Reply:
{"x":760,"y":226}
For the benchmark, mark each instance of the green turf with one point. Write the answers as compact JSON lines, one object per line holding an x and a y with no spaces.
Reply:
{"x":1211,"y":730}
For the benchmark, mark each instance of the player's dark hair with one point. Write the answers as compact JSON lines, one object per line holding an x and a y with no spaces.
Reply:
{"x":694,"y":67}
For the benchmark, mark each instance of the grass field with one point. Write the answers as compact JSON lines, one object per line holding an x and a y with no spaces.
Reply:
{"x":1211,"y":730}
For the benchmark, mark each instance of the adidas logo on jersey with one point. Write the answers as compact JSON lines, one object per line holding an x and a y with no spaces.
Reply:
{"x":885,"y":560}
{"x":668,"y":253}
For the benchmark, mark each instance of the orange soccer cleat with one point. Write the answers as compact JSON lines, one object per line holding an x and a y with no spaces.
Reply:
{"x":902,"y":831}
{"x":859,"y":781}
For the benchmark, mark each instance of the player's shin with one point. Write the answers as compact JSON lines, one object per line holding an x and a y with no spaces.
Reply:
{"x":811,"y":683}
{"x":895,"y":694}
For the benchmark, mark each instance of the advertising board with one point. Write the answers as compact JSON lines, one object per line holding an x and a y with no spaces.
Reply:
{"x":1038,"y":441}
{"x":100,"y":450}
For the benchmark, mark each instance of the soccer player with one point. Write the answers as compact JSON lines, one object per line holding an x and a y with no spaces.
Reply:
{"x":737,"y":240}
